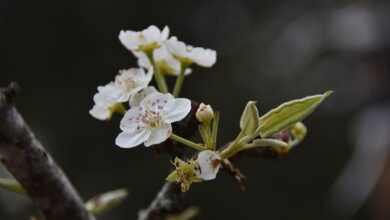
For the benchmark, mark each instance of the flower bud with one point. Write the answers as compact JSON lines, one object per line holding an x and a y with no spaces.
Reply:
{"x":205,"y":113}
{"x":299,"y":130}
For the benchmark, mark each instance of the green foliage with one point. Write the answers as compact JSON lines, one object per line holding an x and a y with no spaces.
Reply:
{"x":12,"y":186}
{"x":289,"y":113}
{"x":249,"y":119}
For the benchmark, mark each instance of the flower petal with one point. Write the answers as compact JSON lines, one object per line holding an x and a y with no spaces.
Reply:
{"x":176,"y":110}
{"x":157,"y":101}
{"x":132,"y":120}
{"x":166,"y":62}
{"x":100,"y":113}
{"x":133,"y":139}
{"x":129,"y":39}
{"x":176,"y":47}
{"x":143,"y":60}
{"x":137,"y":98}
{"x":204,"y":57}
{"x":151,"y":34}
{"x":165,"y":33}
{"x":107,"y":95}
{"x":159,"y":135}
{"x":209,"y":164}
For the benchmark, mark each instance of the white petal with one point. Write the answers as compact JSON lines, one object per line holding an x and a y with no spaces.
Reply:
{"x":157,"y":101}
{"x":149,"y":75}
{"x":176,"y":47}
{"x":143,"y":60}
{"x":159,"y":135}
{"x":129,"y":39}
{"x":209,"y":164}
{"x":129,"y":140}
{"x":176,"y":110}
{"x":165,"y":33}
{"x":188,"y":71}
{"x":137,"y":98}
{"x":204,"y":57}
{"x":167,"y":61}
{"x":100,"y":113}
{"x":107,"y":95}
{"x":152,"y":34}
{"x":132,"y":120}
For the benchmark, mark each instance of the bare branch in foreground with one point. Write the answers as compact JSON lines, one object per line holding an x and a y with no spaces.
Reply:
{"x":24,"y":156}
{"x":168,"y":200}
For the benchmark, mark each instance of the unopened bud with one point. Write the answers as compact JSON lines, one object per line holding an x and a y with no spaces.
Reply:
{"x":299,"y":131}
{"x":106,"y":201}
{"x":205,"y":113}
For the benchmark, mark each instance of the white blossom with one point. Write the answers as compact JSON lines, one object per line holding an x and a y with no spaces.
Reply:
{"x":106,"y":100}
{"x":145,"y":40}
{"x":209,"y":163}
{"x":188,"y":54}
{"x":131,"y":81}
{"x":150,"y":122}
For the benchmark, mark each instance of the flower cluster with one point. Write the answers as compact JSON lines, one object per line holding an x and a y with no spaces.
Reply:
{"x":149,"y":112}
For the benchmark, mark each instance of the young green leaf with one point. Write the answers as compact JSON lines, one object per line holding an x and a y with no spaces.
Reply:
{"x":12,"y":186}
{"x":289,"y":113}
{"x":249,"y":121}
{"x":274,"y":143}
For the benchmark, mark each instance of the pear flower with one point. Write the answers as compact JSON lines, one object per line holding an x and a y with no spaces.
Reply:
{"x":188,"y":54}
{"x":204,"y":168}
{"x":150,"y":122}
{"x":131,"y":81}
{"x":106,"y":101}
{"x":186,"y":173}
{"x":146,"y":40}
{"x":209,"y":163}
{"x":109,"y":97}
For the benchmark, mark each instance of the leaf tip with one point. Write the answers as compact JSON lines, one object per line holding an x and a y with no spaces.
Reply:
{"x":328,"y":93}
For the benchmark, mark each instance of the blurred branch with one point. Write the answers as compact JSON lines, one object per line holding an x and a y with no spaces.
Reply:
{"x":168,"y":200}
{"x":27,"y":160}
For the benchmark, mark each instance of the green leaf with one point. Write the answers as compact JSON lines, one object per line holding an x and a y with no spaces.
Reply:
{"x":12,"y":185}
{"x":274,"y":143}
{"x":106,"y":201}
{"x":289,"y":113}
{"x":249,"y":121}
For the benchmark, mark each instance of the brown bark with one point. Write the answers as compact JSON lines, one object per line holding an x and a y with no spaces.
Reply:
{"x":27,"y":160}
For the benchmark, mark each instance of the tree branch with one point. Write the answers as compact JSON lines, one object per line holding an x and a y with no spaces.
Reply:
{"x":24,"y":156}
{"x":168,"y":200}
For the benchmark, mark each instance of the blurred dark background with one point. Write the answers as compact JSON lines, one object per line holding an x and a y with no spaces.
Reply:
{"x":270,"y":51}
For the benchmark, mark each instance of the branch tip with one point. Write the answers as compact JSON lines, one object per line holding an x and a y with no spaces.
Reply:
{"x":8,"y":94}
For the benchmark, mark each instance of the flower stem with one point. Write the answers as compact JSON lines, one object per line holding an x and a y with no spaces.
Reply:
{"x":160,"y":79}
{"x":179,"y":80}
{"x":187,"y":142}
{"x":214,"y":131}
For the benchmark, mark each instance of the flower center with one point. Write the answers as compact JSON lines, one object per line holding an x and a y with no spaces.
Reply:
{"x":126,"y":84}
{"x":152,"y":119}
